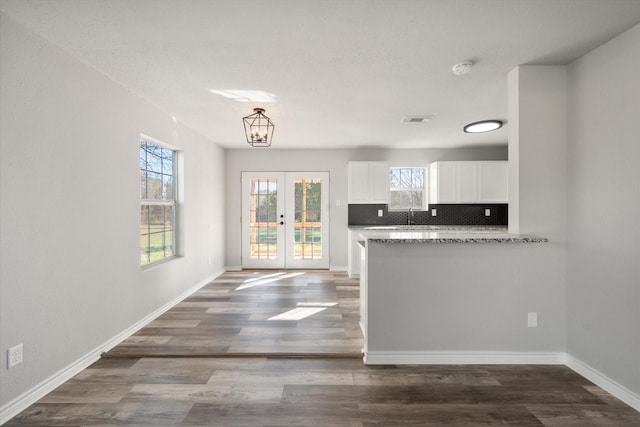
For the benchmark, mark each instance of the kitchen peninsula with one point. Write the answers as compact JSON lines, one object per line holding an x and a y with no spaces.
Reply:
{"x":456,"y":295}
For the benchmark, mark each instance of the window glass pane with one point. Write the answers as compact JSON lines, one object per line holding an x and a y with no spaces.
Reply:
{"x":157,"y":210}
{"x":154,"y":160}
{"x":262,"y":221}
{"x":394,"y":176}
{"x":262,"y":187}
{"x":143,"y":156}
{"x":407,"y":187}
{"x":418,"y":178}
{"x":167,"y":187}
{"x":313,"y":215}
{"x":154,"y":186}
{"x":405,"y":175}
{"x":167,"y":161}
{"x":143,"y":184}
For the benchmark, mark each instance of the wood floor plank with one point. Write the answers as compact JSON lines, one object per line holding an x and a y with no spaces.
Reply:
{"x":237,"y":368}
{"x":219,"y":317}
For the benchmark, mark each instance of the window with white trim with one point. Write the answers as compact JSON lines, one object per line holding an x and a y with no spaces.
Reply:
{"x":157,"y":202}
{"x":407,"y":189}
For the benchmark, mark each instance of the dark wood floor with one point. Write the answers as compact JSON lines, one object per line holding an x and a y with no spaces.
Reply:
{"x":156,"y":389}
{"x":234,"y":315}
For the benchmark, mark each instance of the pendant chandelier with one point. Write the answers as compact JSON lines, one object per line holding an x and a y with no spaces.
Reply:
{"x":258,"y":128}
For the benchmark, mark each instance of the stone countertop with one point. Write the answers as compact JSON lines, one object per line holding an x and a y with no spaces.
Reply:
{"x":397,"y":227}
{"x":451,"y":235}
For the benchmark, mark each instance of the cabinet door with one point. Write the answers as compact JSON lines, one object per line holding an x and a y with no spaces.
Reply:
{"x":358,"y":182}
{"x":446,"y":182}
{"x":467,"y":180}
{"x":379,"y":180}
{"x":493,"y":182}
{"x":353,"y":255}
{"x":368,"y":182}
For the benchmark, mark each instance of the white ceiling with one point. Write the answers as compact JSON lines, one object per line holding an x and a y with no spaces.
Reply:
{"x":344,"y":72}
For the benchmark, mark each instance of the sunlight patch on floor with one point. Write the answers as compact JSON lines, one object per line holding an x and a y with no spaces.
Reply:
{"x":304,"y":310}
{"x":269,"y":278}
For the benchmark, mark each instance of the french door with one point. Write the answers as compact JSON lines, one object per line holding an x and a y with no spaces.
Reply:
{"x":285,"y":219}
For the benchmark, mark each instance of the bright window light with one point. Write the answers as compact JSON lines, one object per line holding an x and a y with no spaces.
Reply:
{"x":298,"y":313}
{"x":317,"y":304}
{"x":242,"y":95}
{"x":263,"y":277}
{"x":304,"y":310}
{"x":270,"y":278}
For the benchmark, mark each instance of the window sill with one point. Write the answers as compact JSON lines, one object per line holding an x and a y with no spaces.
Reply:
{"x":158,"y":263}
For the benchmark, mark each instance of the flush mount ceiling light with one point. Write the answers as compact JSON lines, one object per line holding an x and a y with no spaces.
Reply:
{"x":258,"y":128}
{"x":483,"y":126}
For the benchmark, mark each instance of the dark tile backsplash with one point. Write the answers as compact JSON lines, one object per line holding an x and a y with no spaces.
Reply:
{"x":454,"y":214}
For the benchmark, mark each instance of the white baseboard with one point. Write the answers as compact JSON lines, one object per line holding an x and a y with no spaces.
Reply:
{"x":239,"y":268}
{"x":22,"y":402}
{"x":28,"y":398}
{"x":463,"y":358}
{"x":499,"y":358}
{"x":612,"y":387}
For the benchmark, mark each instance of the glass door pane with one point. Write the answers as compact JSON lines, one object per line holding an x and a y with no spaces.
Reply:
{"x":308,"y":217}
{"x":263,"y":195}
{"x":308,"y":230}
{"x":262,"y":220}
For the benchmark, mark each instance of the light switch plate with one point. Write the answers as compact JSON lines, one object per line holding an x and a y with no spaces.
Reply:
{"x":532,"y":320}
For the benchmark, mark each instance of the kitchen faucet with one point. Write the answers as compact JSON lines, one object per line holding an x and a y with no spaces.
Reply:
{"x":410,"y":220}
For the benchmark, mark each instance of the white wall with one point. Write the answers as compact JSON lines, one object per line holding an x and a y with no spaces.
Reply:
{"x":537,"y":187}
{"x":69,"y":217}
{"x":603,"y":257}
{"x":334,"y":161}
{"x":537,"y":151}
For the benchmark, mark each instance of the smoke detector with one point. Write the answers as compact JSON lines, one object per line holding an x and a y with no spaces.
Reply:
{"x":417,"y":119}
{"x":462,"y":68}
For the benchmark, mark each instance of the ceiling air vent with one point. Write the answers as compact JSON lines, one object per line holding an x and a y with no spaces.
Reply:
{"x":417,"y":119}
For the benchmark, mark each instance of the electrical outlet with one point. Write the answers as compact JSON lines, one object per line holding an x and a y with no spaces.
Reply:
{"x":487,"y":212}
{"x":380,"y":212}
{"x":532,"y":320}
{"x":338,"y":202}
{"x":14,"y":356}
{"x":434,"y":212}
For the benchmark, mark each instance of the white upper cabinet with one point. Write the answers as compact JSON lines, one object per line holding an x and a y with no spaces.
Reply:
{"x":467,"y":177}
{"x":368,"y":182}
{"x":468,"y":182}
{"x":493,"y":182}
